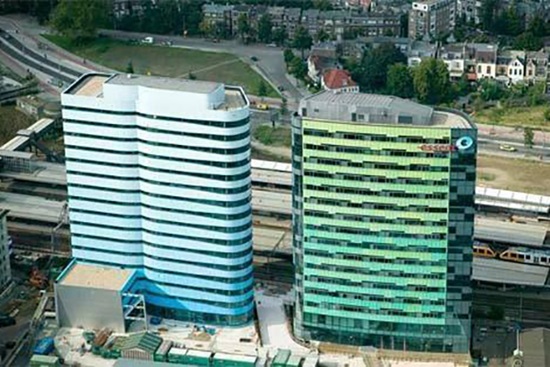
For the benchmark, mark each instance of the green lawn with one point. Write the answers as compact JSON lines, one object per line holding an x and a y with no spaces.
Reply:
{"x":11,"y":121}
{"x":277,"y":137}
{"x":167,"y":61}
{"x":516,"y":116}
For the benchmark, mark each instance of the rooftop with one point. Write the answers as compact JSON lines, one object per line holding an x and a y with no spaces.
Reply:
{"x":91,"y":85}
{"x":158,"y":82}
{"x":378,"y":109}
{"x":535,"y":344}
{"x":337,"y":78}
{"x":505,"y":272}
{"x":99,"y":277}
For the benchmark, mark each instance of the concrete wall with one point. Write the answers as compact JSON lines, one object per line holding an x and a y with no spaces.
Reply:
{"x":89,"y":308}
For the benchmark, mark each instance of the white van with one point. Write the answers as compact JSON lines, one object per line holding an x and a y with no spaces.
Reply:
{"x":148,"y":40}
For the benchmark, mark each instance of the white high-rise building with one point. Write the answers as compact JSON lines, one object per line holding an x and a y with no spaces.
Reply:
{"x":158,"y":174}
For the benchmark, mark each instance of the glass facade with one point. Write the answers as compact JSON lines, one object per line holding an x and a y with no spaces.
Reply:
{"x":164,"y":188}
{"x":383,"y":226}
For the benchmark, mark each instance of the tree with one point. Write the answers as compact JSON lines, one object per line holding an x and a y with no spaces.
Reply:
{"x":537,"y":26}
{"x":79,"y":20}
{"x":322,"y":5}
{"x":528,"y":137}
{"x":280,"y":36}
{"x":130,"y":68}
{"x":262,"y":89}
{"x":243,"y":27}
{"x":298,"y":68}
{"x":372,"y":74}
{"x":264,"y":28}
{"x":491,"y":91}
{"x":302,"y":40}
{"x":191,"y":76}
{"x":192,"y":16}
{"x":42,"y":10}
{"x":488,"y":14}
{"x":400,"y":81}
{"x":509,"y":23}
{"x":431,"y":81}
{"x":206,"y":28}
{"x":288,"y":55}
{"x":496,"y":313}
{"x":322,"y":36}
{"x":528,"y":41}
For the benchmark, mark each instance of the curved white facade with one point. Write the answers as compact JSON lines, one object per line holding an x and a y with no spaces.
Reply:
{"x":158,"y":174}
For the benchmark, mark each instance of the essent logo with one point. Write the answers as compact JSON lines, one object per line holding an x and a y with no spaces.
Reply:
{"x":464,"y":143}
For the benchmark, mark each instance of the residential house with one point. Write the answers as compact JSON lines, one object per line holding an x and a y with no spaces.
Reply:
{"x":317,"y":65}
{"x":420,"y":50}
{"x":453,"y":55}
{"x":481,"y":61}
{"x":536,"y":68}
{"x":252,"y":12}
{"x":375,"y":24}
{"x":358,"y":4}
{"x":122,"y":8}
{"x":311,"y":20}
{"x":326,"y":49}
{"x":470,"y":10}
{"x":433,"y":18}
{"x":277,"y":16}
{"x":219,"y":17}
{"x":292,"y":20}
{"x":334,"y":23}
{"x":339,"y":80}
{"x":511,"y":66}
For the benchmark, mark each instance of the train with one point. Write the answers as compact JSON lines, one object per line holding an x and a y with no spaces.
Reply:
{"x":516,"y":254}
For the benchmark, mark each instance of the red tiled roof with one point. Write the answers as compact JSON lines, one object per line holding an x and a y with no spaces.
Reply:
{"x":338,"y":78}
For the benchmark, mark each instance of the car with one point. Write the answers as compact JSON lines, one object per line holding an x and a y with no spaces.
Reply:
{"x":262,"y":106}
{"x":148,"y":40}
{"x":254,"y":58}
{"x":272,"y":45}
{"x":280,"y":88}
{"x":507,"y":148}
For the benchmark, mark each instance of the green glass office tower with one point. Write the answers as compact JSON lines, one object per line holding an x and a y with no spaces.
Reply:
{"x":383,"y":212}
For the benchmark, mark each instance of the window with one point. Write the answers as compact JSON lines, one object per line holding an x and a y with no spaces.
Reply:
{"x":488,"y":69}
